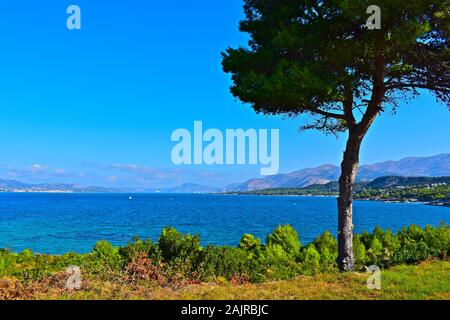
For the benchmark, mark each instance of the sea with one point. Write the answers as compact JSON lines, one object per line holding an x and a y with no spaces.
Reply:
{"x":65,"y":222}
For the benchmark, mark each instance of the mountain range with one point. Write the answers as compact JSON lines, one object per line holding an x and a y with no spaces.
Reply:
{"x":16,"y":186}
{"x":434,"y":166}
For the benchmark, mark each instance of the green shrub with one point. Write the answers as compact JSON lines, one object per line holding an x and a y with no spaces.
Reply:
{"x":438,"y":239}
{"x":250,"y":243}
{"x":411,"y":234}
{"x":327,"y":247}
{"x":287,"y":238}
{"x":106,"y":256}
{"x":178,"y":256}
{"x":385,"y":248}
{"x":417,"y":244}
{"x":137,"y":248}
{"x":310,"y":260}
{"x":181,"y":252}
{"x":413,"y":252}
{"x":174,"y":246}
{"x":390,"y":241}
{"x":7,"y":262}
{"x":366,"y":239}
{"x":328,"y":260}
{"x":326,"y":241}
{"x":375,"y":251}
{"x":227,"y":262}
{"x":278,"y":263}
{"x":359,"y":251}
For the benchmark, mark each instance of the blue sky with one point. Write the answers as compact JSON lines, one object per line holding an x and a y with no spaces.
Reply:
{"x":98,"y":105}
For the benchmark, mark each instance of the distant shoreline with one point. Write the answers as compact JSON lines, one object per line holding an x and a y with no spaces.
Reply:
{"x":437,"y":203}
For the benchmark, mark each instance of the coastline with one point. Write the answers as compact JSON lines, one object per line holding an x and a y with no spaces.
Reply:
{"x":436,"y":203}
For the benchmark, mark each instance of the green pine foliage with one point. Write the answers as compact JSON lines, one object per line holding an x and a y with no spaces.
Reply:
{"x":180,"y":256}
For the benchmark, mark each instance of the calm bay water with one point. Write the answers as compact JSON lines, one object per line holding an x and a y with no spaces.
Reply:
{"x":59,"y":223}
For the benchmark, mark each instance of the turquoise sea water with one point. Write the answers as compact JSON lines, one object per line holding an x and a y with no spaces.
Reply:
{"x":59,"y":223}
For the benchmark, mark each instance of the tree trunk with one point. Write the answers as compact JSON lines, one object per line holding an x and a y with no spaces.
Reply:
{"x":349,"y":168}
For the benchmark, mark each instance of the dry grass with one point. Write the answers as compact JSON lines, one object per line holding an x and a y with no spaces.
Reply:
{"x":429,"y":280}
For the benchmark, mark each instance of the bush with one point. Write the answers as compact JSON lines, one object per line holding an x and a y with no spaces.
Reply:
{"x":174,"y":246}
{"x":359,"y":251}
{"x":390,"y":241}
{"x":141,"y":268}
{"x":287,"y":238}
{"x":412,"y":253}
{"x":178,"y":259}
{"x":326,"y":241}
{"x":411,"y":234}
{"x":7,"y":262}
{"x":382,"y":246}
{"x":227,"y":262}
{"x":250,"y":243}
{"x":181,"y":252}
{"x":327,"y":247}
{"x":310,"y":260}
{"x":138,"y":248}
{"x":279,"y":264}
{"x":106,"y":257}
{"x":375,"y":251}
{"x":409,"y":245}
{"x":438,"y":239}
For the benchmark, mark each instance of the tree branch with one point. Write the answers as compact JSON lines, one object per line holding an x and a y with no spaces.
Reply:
{"x":348,"y":105}
{"x":378,"y":92}
{"x":415,"y":85}
{"x":330,"y":114}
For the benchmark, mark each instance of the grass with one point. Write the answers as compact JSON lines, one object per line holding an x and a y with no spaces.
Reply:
{"x":427,"y":280}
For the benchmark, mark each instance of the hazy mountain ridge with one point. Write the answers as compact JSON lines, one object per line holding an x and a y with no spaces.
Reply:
{"x":17,"y":186}
{"x":191,"y":188}
{"x":434,"y":166}
{"x":332,"y":188}
{"x":399,"y":181}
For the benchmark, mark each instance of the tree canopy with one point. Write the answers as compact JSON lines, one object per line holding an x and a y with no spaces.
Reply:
{"x":319,"y":57}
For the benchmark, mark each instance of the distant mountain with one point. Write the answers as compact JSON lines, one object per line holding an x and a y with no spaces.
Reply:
{"x":11,"y":184}
{"x":297,"y":179}
{"x":434,"y":166}
{"x":191,"y":188}
{"x":16,"y":186}
{"x":380,"y":184}
{"x":396,"y":181}
{"x":384,"y":183}
{"x":324,"y":175}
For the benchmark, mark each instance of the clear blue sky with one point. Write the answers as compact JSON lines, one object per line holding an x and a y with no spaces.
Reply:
{"x":99,"y":104}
